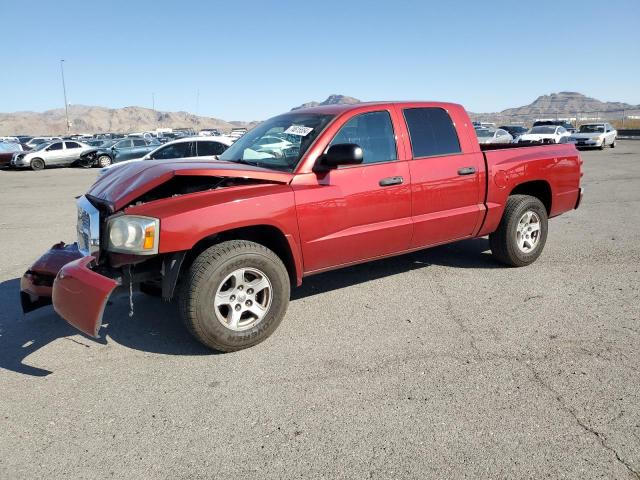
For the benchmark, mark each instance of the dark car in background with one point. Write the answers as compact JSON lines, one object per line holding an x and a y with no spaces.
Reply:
{"x":515,"y":130}
{"x":113,"y":151}
{"x":558,"y":123}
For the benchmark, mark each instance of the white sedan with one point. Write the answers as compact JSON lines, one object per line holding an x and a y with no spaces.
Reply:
{"x":206,"y":147}
{"x":271,"y":144}
{"x":595,"y":135}
{"x":488,"y":135}
{"x":545,"y":134}
{"x":58,"y":154}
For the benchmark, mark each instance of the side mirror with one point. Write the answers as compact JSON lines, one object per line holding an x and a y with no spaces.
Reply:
{"x":340,"y":154}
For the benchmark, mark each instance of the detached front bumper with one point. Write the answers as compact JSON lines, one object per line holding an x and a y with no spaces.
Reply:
{"x":62,"y":276}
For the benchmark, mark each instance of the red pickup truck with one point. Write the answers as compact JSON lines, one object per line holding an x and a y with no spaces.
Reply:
{"x":304,"y":192}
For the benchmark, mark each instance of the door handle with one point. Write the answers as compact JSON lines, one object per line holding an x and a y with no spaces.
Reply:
{"x":387,"y":182}
{"x":467,"y":171}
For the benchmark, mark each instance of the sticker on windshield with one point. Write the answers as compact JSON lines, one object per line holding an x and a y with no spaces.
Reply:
{"x":298,"y":130}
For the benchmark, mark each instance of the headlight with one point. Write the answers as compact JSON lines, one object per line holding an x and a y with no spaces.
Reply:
{"x":133,"y":234}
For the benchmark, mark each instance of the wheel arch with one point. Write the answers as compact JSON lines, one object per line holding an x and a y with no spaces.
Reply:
{"x":539,"y":189}
{"x":267,"y":235}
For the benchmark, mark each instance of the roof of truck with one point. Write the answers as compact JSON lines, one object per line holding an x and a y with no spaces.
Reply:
{"x":344,"y":107}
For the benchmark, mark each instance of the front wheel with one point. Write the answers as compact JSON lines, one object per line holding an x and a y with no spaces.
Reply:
{"x":104,"y":161}
{"x":613,"y":144}
{"x":522,"y":233}
{"x":37,"y":164}
{"x":603,"y":144}
{"x":234,"y":295}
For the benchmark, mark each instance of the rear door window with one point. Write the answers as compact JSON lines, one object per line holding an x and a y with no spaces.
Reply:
{"x":72,"y":145}
{"x":204,"y":148}
{"x":139,"y":142}
{"x":432,"y":132}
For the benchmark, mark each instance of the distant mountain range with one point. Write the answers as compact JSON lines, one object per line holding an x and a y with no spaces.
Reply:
{"x":564,"y":104}
{"x":86,"y":119}
{"x":331,"y":100}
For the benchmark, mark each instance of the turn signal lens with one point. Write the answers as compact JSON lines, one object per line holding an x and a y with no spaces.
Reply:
{"x":149,"y":237}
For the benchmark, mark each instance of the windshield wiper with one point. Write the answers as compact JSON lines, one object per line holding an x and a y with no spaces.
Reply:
{"x":246,"y":162}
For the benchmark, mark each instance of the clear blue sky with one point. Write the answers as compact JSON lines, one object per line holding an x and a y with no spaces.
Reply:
{"x":252,"y":59}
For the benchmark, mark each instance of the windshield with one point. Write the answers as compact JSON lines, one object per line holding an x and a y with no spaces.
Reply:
{"x":278,"y":143}
{"x":543,"y":130}
{"x":484,"y":133}
{"x":10,"y":147}
{"x":41,"y":146}
{"x":592,"y":129}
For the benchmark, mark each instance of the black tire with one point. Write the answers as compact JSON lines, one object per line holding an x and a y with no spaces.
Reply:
{"x":207,"y":273}
{"x":37,"y":164}
{"x":604,"y":144}
{"x":613,"y":144}
{"x":103,"y":161}
{"x":504,"y":241}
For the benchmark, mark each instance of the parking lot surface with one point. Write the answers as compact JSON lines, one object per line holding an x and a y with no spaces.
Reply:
{"x":438,"y":364}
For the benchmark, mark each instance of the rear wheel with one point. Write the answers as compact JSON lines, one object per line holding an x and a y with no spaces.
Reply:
{"x":104,"y":161}
{"x":37,"y":164}
{"x":234,"y":295}
{"x":522,"y":233}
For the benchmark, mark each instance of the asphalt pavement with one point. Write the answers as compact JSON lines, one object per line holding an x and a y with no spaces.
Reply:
{"x":438,"y":364}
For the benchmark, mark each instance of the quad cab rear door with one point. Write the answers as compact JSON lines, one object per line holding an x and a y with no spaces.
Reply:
{"x":447,"y":173}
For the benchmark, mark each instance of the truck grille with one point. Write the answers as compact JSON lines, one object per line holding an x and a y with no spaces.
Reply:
{"x":88,"y":227}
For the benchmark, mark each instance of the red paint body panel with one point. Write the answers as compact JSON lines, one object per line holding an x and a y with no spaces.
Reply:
{"x":80,"y":295}
{"x":37,"y":282}
{"x":120,"y":186}
{"x":328,"y":219}
{"x":558,"y":165}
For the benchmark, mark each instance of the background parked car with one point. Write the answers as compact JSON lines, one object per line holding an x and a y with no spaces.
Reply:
{"x":35,"y":141}
{"x":112,"y":151}
{"x":558,"y":123}
{"x":489,"y":135}
{"x":545,"y":134}
{"x":50,"y":154}
{"x":182,"y":148}
{"x":595,"y":135}
{"x":7,"y":150}
{"x":515,"y":130}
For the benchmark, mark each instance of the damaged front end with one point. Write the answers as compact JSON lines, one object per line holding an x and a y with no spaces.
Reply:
{"x":37,"y":283}
{"x":117,"y":246}
{"x":63,"y":277}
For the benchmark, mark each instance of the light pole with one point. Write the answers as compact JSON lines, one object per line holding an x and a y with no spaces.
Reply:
{"x":64,"y":91}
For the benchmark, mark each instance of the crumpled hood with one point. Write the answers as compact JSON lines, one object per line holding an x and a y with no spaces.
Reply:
{"x":121,"y":186}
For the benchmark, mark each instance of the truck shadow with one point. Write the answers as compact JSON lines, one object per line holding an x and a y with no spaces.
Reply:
{"x":473,"y":253}
{"x":155,"y":326}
